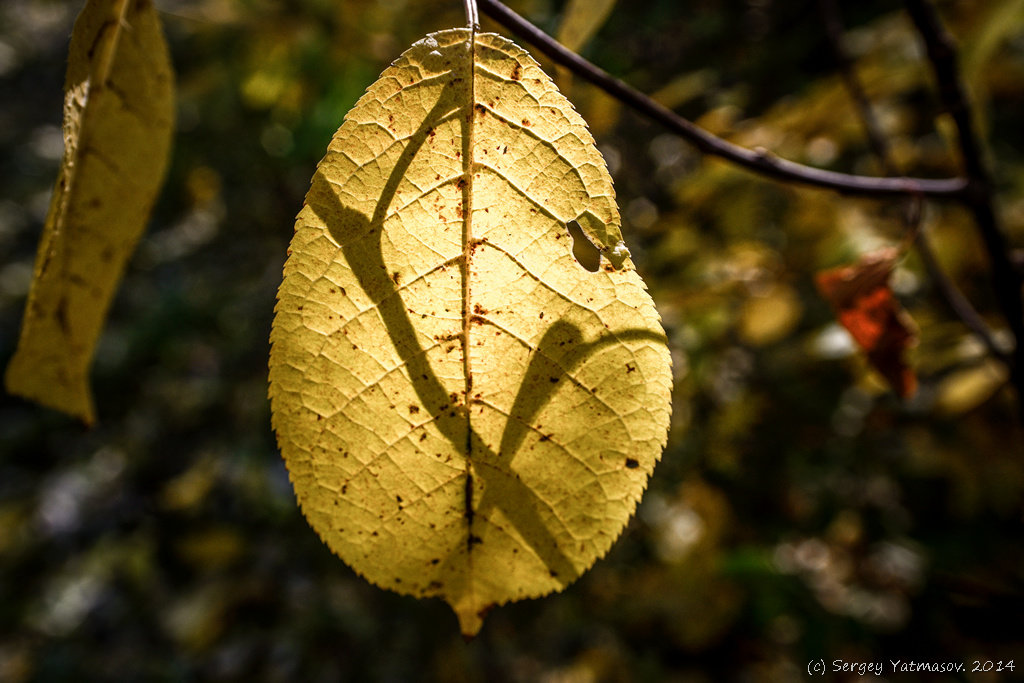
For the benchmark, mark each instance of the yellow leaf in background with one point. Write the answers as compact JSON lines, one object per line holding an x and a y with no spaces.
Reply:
{"x":1002,"y":21}
{"x":964,"y":390}
{"x":581,"y":20}
{"x":211,"y":548}
{"x":118,"y":118}
{"x":465,"y":410}
{"x":770,"y":316}
{"x":684,"y":88}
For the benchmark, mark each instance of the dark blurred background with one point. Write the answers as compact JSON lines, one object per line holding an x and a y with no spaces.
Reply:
{"x":800,"y":511}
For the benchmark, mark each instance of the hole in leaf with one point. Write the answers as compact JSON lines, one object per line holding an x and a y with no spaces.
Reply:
{"x":583,"y":250}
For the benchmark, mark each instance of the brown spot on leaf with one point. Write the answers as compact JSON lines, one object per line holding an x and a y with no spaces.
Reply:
{"x":61,"y":314}
{"x":632,"y":464}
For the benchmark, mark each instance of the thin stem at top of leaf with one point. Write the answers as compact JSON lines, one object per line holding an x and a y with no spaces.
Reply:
{"x":472,"y":16}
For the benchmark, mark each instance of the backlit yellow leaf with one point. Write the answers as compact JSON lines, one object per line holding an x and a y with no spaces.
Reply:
{"x":118,"y":112}
{"x":466,"y":411}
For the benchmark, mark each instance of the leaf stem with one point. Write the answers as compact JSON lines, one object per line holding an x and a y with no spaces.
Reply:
{"x":472,"y":15}
{"x":757,"y":160}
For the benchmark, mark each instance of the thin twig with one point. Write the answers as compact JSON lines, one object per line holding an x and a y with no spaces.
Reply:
{"x":957,"y":301}
{"x":833,"y":22}
{"x":1006,"y":281}
{"x":953,"y":297}
{"x":759,"y":161}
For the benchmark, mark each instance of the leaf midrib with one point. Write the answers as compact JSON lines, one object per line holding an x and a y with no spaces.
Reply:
{"x":469,"y":140}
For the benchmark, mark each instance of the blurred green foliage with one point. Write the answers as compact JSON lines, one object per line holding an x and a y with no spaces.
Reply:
{"x":800,"y":511}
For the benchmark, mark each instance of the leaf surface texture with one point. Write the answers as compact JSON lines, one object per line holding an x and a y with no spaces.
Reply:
{"x":118,"y":119}
{"x":465,"y":411}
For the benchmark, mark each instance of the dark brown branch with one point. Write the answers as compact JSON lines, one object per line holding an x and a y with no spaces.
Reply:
{"x":1006,"y":281}
{"x":759,"y":161}
{"x":954,"y":298}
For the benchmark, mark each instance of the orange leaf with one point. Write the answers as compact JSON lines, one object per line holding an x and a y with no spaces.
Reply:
{"x":865,"y":306}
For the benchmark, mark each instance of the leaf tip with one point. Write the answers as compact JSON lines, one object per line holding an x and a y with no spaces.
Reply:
{"x":25,"y":378}
{"x":471,"y":619}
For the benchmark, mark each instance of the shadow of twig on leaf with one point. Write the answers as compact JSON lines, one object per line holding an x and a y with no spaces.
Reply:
{"x":360,"y":238}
